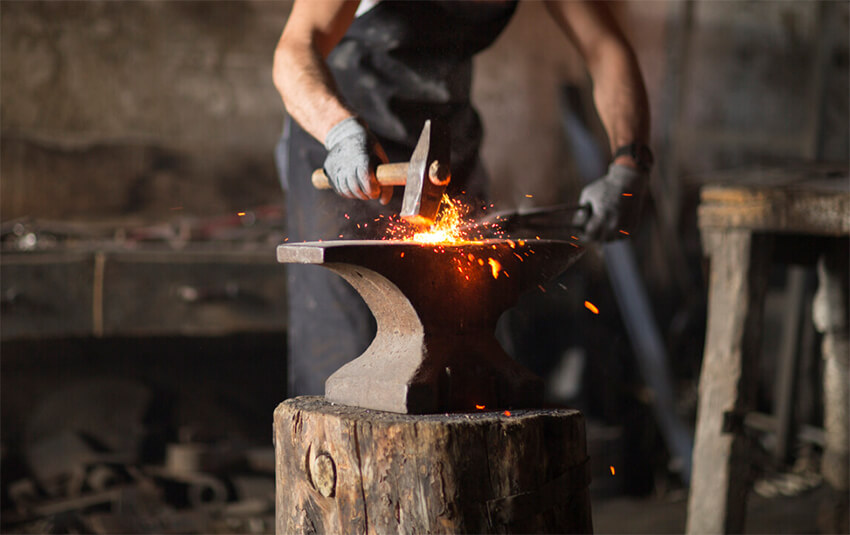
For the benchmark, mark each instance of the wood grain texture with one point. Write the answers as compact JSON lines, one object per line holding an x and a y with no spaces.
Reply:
{"x":481,"y":472}
{"x":721,"y":461}
{"x":812,"y":200}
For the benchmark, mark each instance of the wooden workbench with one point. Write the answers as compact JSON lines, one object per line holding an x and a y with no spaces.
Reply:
{"x":748,"y":219}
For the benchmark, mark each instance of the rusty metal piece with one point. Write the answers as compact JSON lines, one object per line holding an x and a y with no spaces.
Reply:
{"x":436,"y":308}
{"x":439,"y":174}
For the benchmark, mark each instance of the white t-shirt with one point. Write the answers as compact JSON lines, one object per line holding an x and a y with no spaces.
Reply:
{"x":365,"y":5}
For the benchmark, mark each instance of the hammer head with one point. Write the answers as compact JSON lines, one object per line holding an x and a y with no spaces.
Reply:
{"x":428,"y":174}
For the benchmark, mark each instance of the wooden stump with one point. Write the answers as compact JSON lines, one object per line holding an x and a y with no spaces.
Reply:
{"x":343,"y":469}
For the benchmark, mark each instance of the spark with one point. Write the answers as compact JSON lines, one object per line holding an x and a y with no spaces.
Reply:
{"x":624,"y":232}
{"x":627,"y":194}
{"x":529,"y":196}
{"x":402,"y":255}
{"x":612,"y":470}
{"x":479,"y":407}
{"x":448,"y":227}
{"x":495,"y":266}
{"x":507,"y":413}
{"x":542,"y":289}
{"x":240,"y":214}
{"x":591,"y":307}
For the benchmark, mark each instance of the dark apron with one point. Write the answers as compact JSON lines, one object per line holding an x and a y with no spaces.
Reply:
{"x":399,"y":64}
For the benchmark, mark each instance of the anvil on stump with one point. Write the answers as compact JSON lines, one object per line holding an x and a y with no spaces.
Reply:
{"x":436,"y":308}
{"x":451,"y":464}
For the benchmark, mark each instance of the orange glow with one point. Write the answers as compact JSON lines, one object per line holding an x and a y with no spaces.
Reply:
{"x":612,"y":470}
{"x":495,"y":267}
{"x":507,"y":413}
{"x":447,"y":227}
{"x":591,"y":307}
{"x":479,"y":407}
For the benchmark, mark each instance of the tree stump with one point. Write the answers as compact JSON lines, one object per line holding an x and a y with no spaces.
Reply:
{"x":343,"y":469}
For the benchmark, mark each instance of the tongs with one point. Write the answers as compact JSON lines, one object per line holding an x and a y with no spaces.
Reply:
{"x":559,"y":216}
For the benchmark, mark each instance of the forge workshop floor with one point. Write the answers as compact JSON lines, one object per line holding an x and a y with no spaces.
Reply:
{"x":797,"y":515}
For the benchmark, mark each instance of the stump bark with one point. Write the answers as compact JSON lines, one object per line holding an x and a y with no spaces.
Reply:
{"x":344,"y":469}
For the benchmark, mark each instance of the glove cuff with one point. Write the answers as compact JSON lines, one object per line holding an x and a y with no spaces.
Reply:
{"x":343,"y":129}
{"x":625,"y":175}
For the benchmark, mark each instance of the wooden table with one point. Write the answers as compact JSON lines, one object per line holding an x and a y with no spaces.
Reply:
{"x":748,"y":219}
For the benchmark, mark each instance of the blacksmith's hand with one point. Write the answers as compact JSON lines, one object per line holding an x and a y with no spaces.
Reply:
{"x":353,"y":156}
{"x":614,"y":202}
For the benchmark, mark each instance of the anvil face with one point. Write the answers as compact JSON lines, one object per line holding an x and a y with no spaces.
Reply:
{"x":436,"y":308}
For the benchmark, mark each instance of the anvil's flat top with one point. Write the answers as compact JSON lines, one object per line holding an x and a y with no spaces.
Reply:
{"x":320,"y":252}
{"x":318,"y":404}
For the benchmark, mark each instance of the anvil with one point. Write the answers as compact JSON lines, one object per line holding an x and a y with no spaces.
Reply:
{"x":436,"y":308}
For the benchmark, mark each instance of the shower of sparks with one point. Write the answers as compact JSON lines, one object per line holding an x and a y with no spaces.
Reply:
{"x":453,"y":226}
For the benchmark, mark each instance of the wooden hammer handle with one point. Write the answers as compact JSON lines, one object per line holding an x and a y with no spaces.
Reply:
{"x":388,"y":174}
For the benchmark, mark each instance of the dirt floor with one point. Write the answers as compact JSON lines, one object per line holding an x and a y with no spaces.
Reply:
{"x":798,"y":514}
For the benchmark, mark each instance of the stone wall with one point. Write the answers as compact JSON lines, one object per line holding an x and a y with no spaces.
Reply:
{"x":138,"y":108}
{"x":132,"y":108}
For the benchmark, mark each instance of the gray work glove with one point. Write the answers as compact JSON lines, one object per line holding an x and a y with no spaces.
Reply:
{"x":353,"y":155}
{"x":614,"y":202}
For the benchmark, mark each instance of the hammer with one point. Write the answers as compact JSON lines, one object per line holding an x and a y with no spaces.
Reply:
{"x":424,"y":177}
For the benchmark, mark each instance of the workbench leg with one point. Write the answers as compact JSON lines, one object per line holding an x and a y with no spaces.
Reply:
{"x":721,"y":461}
{"x":830,"y":315}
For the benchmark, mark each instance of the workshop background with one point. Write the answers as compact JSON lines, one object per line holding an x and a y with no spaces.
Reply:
{"x":143,"y":313}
